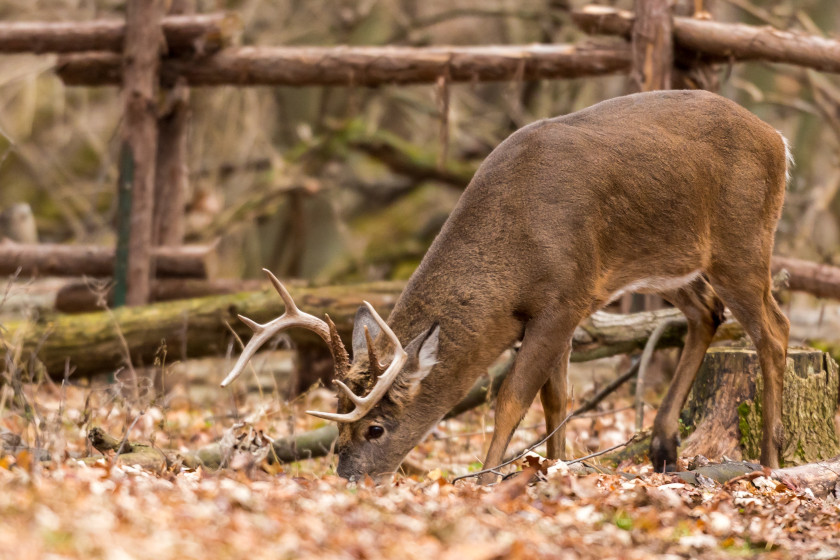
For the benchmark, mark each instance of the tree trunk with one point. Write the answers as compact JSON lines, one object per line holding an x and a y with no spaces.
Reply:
{"x":140,"y":62}
{"x":725,"y":407}
{"x":189,"y":261}
{"x":184,"y":34}
{"x":362,"y":66}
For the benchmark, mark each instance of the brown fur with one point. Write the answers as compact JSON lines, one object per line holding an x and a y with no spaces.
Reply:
{"x":559,"y":218}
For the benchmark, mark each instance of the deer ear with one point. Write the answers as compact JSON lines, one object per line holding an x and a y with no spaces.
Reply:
{"x":363,"y":319}
{"x":422,"y":356}
{"x":427,"y":354}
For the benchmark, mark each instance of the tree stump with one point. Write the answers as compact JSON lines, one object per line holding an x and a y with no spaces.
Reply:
{"x":724,"y":407}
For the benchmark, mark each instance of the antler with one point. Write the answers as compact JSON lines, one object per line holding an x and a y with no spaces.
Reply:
{"x":383,"y":383}
{"x":292,"y":317}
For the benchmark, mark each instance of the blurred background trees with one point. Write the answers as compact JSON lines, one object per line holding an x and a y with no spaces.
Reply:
{"x":351,"y":183}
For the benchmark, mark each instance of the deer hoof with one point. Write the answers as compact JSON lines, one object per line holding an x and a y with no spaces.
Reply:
{"x":663,"y":454}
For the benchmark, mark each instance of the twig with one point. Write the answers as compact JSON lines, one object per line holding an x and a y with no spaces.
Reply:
{"x":609,"y":388}
{"x":495,"y":470}
{"x":601,"y":413}
{"x":633,"y":438}
{"x":647,"y":354}
{"x":586,"y":407}
{"x":128,"y":431}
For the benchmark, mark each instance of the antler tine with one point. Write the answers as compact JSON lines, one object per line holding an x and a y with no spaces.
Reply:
{"x":291,"y":317}
{"x":253,"y":325}
{"x":291,"y":307}
{"x":383,"y":383}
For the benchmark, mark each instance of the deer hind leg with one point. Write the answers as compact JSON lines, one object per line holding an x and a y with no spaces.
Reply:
{"x":703,"y":312}
{"x":546,"y":344}
{"x":553,"y":395}
{"x":751,"y":302}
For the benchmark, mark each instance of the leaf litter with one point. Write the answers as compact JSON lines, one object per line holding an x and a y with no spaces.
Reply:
{"x":77,"y":507}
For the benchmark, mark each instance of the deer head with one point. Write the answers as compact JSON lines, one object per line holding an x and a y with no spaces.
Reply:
{"x":373,"y":390}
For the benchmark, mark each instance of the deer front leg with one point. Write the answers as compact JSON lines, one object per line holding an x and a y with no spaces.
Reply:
{"x":543,"y":348}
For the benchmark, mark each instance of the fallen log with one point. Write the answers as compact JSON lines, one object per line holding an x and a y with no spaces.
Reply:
{"x":724,"y":42}
{"x":44,"y":259}
{"x":820,"y":280}
{"x":821,"y":478}
{"x":184,"y":34}
{"x":196,"y":327}
{"x":104,"y":341}
{"x":361,"y":66}
{"x":82,"y":297}
{"x":320,"y":441}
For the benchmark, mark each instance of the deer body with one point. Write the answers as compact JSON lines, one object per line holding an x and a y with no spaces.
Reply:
{"x":673,"y":192}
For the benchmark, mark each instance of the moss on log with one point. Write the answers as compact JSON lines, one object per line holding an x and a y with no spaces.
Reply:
{"x":95,"y":342}
{"x":725,"y":407}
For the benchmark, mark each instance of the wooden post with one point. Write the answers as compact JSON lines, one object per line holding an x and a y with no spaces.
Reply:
{"x":141,"y":60}
{"x":690,"y":70}
{"x":171,"y":174}
{"x":653,"y":50}
{"x":171,"y":171}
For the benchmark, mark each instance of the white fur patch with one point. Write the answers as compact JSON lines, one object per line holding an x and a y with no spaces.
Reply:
{"x":656,"y":284}
{"x":789,"y":163}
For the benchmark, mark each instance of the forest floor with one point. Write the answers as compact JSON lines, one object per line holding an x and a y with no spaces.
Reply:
{"x":68,"y":509}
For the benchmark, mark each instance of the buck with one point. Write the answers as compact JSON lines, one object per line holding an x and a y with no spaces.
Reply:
{"x":670,"y":192}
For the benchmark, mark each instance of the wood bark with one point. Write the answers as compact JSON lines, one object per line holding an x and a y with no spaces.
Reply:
{"x":140,"y":63}
{"x":96,"y":342}
{"x":724,"y":42}
{"x":81,"y":297}
{"x":362,"y":66}
{"x":652,"y":45}
{"x":725,"y":407}
{"x":188,"y":261}
{"x":184,"y":34}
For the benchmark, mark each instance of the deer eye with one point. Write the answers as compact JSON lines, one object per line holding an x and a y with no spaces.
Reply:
{"x":374,"y":432}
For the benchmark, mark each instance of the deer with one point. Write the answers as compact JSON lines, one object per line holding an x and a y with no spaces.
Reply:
{"x":676,"y":193}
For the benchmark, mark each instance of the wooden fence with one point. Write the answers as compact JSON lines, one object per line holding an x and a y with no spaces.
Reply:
{"x":149,"y":51}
